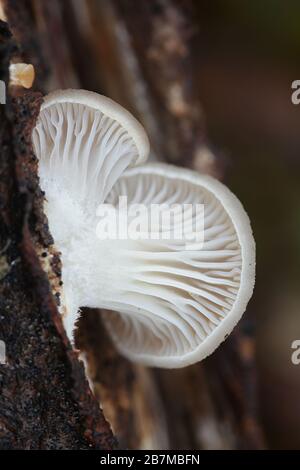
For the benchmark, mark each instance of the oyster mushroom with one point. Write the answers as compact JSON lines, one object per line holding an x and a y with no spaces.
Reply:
{"x":167,"y":302}
{"x":21,"y":75}
{"x":84,"y":142}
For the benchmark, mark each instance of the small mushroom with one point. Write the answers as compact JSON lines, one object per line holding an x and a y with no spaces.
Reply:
{"x":166,"y":302}
{"x":21,"y":75}
{"x":179,"y":304}
{"x":84,"y":142}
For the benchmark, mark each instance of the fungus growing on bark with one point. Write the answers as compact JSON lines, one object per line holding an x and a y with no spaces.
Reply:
{"x":168,"y":301}
{"x":21,"y":75}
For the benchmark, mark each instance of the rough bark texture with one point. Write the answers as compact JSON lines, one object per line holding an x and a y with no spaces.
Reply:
{"x":45,"y":401}
{"x":141,"y":54}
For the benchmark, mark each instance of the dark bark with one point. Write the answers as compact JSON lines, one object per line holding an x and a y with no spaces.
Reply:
{"x":45,"y":401}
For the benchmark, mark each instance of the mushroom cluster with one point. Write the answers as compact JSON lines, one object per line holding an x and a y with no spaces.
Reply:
{"x":166,"y":302}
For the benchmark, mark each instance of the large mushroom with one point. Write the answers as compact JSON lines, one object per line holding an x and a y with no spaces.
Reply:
{"x":167,"y":302}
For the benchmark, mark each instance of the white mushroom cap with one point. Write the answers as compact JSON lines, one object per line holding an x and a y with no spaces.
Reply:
{"x":173,"y":302}
{"x":84,"y":142}
{"x":180,"y":304}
